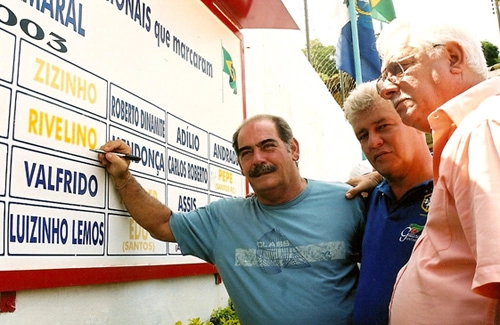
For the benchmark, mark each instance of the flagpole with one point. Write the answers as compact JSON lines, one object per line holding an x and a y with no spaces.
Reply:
{"x":355,"y":42}
{"x":306,"y":21}
{"x":497,"y":13}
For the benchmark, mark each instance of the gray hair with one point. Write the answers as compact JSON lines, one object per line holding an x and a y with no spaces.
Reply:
{"x":284,"y":130}
{"x":401,"y":36}
{"x":361,"y":98}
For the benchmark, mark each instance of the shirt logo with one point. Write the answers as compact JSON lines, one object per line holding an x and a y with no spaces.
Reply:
{"x":411,"y":233}
{"x":426,"y":202}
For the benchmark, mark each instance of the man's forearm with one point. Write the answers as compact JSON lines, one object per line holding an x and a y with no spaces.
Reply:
{"x":146,"y":210}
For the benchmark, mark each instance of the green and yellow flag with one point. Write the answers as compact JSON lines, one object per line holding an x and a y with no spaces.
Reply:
{"x":383,"y":10}
{"x":229,"y":69}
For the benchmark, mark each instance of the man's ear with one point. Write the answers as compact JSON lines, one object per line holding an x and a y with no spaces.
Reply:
{"x":456,"y":56}
{"x":295,"y":150}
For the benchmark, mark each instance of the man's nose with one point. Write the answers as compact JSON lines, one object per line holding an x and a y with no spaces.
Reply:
{"x":375,"y":140}
{"x":387,"y":89}
{"x":258,"y":155}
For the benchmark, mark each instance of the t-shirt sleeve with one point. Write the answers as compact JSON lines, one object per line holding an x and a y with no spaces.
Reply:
{"x":195,"y":232}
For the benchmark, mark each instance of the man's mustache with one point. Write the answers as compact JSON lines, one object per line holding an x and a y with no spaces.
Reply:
{"x":262,"y":169}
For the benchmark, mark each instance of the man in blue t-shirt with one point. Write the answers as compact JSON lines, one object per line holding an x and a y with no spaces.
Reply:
{"x":397,"y":207}
{"x":288,"y":254}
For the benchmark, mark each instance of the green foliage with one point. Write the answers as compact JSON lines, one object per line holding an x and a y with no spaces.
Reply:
{"x":225,"y":316}
{"x":194,"y":321}
{"x":219,"y":316}
{"x":490,"y":52}
{"x":322,"y":59}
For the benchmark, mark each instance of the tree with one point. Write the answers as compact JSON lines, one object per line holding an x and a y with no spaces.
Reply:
{"x":322,"y":59}
{"x":490,"y":52}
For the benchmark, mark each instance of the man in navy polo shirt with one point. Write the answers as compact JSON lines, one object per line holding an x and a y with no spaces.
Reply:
{"x":397,"y":207}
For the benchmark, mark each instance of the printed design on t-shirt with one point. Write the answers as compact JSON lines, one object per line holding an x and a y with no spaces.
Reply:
{"x":411,"y":233}
{"x":276,"y":252}
{"x":426,"y":202}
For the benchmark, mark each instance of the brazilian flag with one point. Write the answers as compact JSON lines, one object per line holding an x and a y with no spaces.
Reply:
{"x":229,"y":69}
{"x":383,"y":10}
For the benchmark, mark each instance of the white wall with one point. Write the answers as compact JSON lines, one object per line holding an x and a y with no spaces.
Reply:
{"x":143,"y":302}
{"x":279,"y":80}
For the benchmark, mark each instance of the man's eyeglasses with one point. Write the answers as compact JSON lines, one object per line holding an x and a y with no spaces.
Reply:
{"x":395,"y":71}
